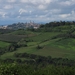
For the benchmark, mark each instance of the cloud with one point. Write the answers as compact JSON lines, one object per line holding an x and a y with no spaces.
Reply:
{"x":8,"y":7}
{"x":22,"y":11}
{"x":11,"y":1}
{"x":2,"y":14}
{"x":67,"y":2}
{"x":37,"y":10}
{"x":41,"y":7}
{"x":24,"y":1}
{"x":64,"y":15}
{"x":36,"y":1}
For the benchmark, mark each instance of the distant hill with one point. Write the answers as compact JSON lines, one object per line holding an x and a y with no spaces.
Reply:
{"x":23,"y":25}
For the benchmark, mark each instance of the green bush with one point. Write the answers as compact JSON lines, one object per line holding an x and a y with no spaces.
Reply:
{"x":9,"y":69}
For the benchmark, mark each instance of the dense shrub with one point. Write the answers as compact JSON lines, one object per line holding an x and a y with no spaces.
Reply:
{"x":25,"y":69}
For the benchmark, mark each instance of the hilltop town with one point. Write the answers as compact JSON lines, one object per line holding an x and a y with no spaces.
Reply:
{"x":20,"y":25}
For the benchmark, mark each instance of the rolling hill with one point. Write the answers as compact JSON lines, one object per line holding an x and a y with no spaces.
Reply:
{"x":59,"y":42}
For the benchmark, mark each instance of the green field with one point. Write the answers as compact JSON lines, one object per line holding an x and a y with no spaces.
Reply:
{"x":64,"y":48}
{"x":11,"y":38}
{"x":4,"y":44}
{"x":59,"y":42}
{"x":48,"y":50}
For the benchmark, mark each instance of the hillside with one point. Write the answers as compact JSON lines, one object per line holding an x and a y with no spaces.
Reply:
{"x":56,"y":41}
{"x":48,"y":50}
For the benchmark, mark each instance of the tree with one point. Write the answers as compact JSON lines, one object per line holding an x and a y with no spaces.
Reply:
{"x":38,"y":47}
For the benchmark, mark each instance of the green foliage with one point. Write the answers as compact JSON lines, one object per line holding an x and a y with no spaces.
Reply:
{"x":39,"y":47}
{"x":19,"y":69}
{"x":9,"y":69}
{"x":22,"y":43}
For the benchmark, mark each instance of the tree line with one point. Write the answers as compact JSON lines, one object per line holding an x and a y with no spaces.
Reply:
{"x":13,"y":46}
{"x":56,"y":23}
{"x":32,"y":69}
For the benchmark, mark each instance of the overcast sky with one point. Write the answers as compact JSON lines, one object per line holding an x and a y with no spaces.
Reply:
{"x":36,"y":10}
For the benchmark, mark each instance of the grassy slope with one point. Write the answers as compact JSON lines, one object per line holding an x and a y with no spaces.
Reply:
{"x":11,"y":38}
{"x":55,"y":48}
{"x":52,"y":48}
{"x":15,"y":36}
{"x":47,"y":50}
{"x":3,"y":44}
{"x":32,"y":45}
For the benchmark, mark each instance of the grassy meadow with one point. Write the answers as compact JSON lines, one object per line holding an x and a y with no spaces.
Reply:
{"x":56,"y":48}
{"x":49,"y":50}
{"x":3,"y":44}
{"x":57,"y":43}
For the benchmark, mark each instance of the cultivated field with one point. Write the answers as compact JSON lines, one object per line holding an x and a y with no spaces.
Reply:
{"x":62,"y":48}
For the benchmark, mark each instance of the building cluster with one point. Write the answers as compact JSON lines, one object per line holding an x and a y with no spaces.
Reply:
{"x":32,"y":25}
{"x":21,"y":25}
{"x":3,"y":27}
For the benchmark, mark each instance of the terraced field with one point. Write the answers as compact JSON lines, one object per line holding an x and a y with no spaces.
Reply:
{"x":58,"y":47}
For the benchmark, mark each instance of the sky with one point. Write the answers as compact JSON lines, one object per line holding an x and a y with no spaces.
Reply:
{"x":12,"y":11}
